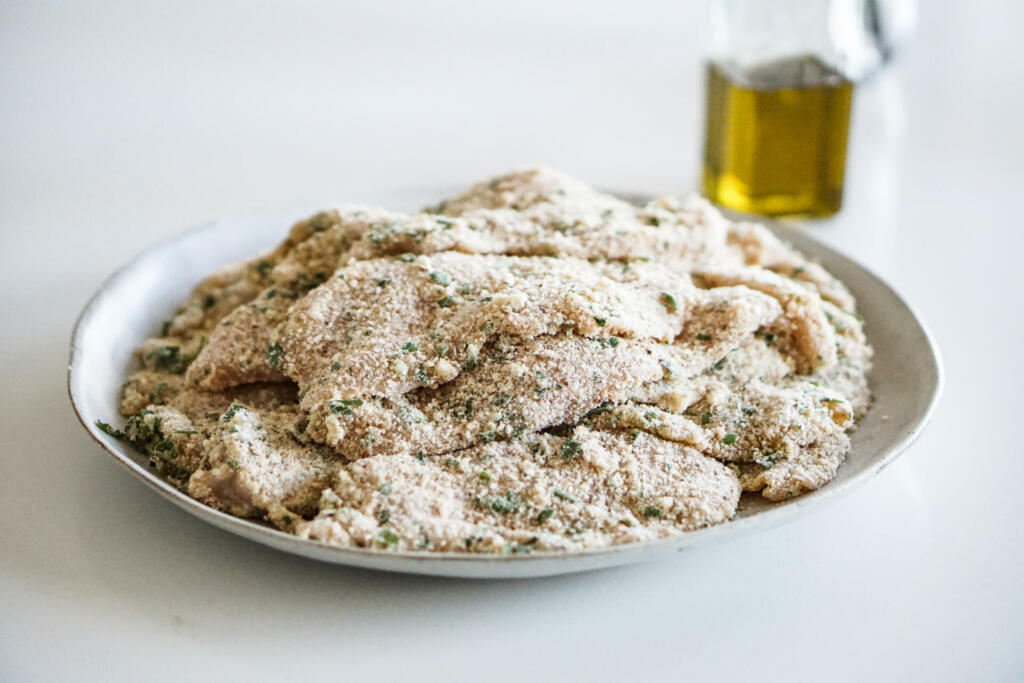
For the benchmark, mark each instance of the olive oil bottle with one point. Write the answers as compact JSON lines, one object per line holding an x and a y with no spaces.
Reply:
{"x":775,"y":137}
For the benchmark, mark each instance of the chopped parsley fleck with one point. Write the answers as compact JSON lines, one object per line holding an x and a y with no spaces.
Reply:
{"x":571,"y":448}
{"x":274,"y":355}
{"x":613,"y":341}
{"x":668,"y":301}
{"x":230,"y":412}
{"x":484,"y":476}
{"x":107,"y":429}
{"x":768,"y":459}
{"x":383,"y":282}
{"x":335,"y":366}
{"x":559,"y":493}
{"x":263,"y":267}
{"x":545,"y":515}
{"x":384,"y":515}
{"x":452,"y":462}
{"x":601,"y":322}
{"x":831,"y":400}
{"x":703,"y":337}
{"x":167,"y":359}
{"x":420,"y":376}
{"x":442,"y":349}
{"x":501,"y":505}
{"x":705,"y":418}
{"x":387,"y":538}
{"x":729,"y":439}
{"x":445,"y":302}
{"x":652,"y":511}
{"x":440,"y":277}
{"x":768,"y":339}
{"x":385,"y":488}
{"x":525,"y":547}
{"x":410,"y":347}
{"x":344,"y":406}
{"x":487,"y":436}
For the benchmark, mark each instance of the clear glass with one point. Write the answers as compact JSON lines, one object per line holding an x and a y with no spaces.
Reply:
{"x":780,"y":82}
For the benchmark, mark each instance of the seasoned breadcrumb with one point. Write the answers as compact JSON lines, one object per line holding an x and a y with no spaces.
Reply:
{"x":531,"y":365}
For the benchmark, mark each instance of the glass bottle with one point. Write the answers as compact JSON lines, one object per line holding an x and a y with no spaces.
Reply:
{"x":780,"y":81}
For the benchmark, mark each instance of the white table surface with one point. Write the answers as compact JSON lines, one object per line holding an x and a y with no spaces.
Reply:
{"x":121,"y":123}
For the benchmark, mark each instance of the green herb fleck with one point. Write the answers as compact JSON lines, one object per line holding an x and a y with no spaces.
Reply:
{"x":167,"y":358}
{"x":559,"y":493}
{"x":703,"y":337}
{"x":230,"y":412}
{"x":383,"y":282}
{"x":274,"y":355}
{"x":525,"y":547}
{"x":571,"y":448}
{"x":502,"y":506}
{"x":652,"y":511}
{"x":344,"y":406}
{"x":335,"y":366}
{"x":107,"y":429}
{"x":384,"y":515}
{"x":729,"y":439}
{"x":601,"y":322}
{"x":385,"y":488}
{"x":613,"y":341}
{"x":484,"y":476}
{"x":442,"y":350}
{"x":668,"y":301}
{"x":768,"y":459}
{"x":705,"y":418}
{"x":420,"y":376}
{"x":545,"y":515}
{"x":387,"y":538}
{"x":445,"y":302}
{"x":410,"y":347}
{"x":441,"y":277}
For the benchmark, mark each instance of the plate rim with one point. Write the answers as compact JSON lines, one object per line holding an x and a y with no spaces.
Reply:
{"x":469,"y":565}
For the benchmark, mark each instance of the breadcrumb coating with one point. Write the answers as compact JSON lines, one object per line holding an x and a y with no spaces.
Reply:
{"x":532,"y":365}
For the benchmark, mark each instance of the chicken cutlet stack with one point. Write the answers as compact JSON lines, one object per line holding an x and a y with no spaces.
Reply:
{"x":531,"y":365}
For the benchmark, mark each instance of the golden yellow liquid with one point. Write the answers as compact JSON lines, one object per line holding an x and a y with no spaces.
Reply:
{"x":775,"y":139}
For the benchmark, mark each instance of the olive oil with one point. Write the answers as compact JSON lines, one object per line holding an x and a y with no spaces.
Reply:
{"x":775,"y":138}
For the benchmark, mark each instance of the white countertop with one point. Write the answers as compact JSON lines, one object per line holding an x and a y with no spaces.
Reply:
{"x":122,"y":123}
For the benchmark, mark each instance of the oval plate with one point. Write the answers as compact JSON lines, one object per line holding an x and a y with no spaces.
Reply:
{"x":128,"y":308}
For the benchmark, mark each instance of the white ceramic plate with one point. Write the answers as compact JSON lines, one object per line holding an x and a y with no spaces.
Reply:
{"x":130,"y":306}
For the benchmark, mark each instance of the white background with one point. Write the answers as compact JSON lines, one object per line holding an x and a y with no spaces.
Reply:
{"x":122,"y":123}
